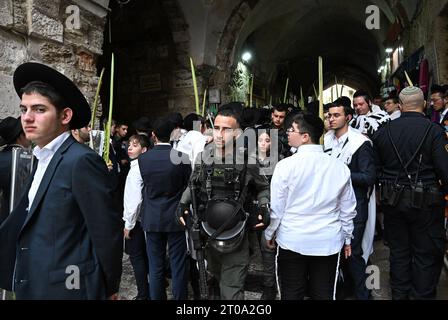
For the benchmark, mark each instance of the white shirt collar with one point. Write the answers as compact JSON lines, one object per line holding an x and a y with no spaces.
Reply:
{"x":310,"y":148}
{"x":341,"y":138}
{"x":442,"y":115}
{"x":134,"y":162}
{"x":163,"y":144}
{"x":50,"y":148}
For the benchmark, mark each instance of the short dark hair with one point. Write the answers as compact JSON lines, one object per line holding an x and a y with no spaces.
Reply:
{"x":445,"y":90}
{"x":282,"y":107}
{"x":47,"y":91}
{"x":163,"y":128}
{"x":142,"y":139}
{"x":228,"y":112}
{"x":190,"y":119}
{"x":237,"y":107}
{"x":364,"y":94}
{"x":176,"y":118}
{"x":119,"y":123}
{"x":311,"y":124}
{"x":394,"y":98}
{"x":328,"y":106}
{"x":344,"y":101}
{"x":348,"y":111}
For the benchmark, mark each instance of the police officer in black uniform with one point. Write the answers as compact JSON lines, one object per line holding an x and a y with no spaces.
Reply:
{"x":412,"y":159}
{"x":221,"y":175}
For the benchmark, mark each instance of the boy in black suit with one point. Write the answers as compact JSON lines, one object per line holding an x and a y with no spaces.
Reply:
{"x":64,"y":239}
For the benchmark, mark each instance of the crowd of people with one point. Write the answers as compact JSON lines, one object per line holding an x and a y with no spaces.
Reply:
{"x":259,"y":173}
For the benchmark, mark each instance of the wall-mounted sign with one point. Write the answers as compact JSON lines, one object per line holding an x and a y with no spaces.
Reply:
{"x":182,"y":79}
{"x":150,"y":83}
{"x":258,"y":90}
{"x":214,"y":96}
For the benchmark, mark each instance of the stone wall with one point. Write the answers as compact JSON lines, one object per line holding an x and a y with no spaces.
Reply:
{"x":430,"y":29}
{"x":40,"y":30}
{"x":151,"y":43}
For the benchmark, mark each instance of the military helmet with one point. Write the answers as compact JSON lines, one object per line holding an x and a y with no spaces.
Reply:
{"x":218,"y":213}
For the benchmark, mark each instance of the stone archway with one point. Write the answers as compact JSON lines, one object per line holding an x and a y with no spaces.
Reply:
{"x":250,"y":22}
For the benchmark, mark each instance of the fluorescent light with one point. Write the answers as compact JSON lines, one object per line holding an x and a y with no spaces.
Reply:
{"x":246,"y":56}
{"x":389,"y":50}
{"x":387,"y":59}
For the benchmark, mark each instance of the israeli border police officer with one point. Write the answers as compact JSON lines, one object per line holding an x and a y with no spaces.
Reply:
{"x":221,"y":175}
{"x":412,"y":160}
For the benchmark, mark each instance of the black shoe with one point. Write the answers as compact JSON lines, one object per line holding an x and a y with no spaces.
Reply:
{"x":269,"y":293}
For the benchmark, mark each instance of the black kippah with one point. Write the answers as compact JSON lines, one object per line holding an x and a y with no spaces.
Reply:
{"x":314,"y":121}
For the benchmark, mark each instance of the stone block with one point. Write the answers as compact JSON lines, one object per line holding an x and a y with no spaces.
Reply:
{"x":12,"y":52}
{"x":56,"y":54}
{"x":45,"y":27}
{"x":181,"y":36}
{"x":86,"y":62}
{"x":6,"y":13}
{"x":48,"y":8}
{"x":96,"y":40}
{"x":20,"y":16}
{"x":9,"y":101}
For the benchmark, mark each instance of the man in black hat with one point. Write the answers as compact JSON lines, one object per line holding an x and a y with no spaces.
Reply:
{"x":64,"y":239}
{"x":11,"y":136}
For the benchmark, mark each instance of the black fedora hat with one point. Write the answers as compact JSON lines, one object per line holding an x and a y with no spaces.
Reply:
{"x":10,"y":129}
{"x":31,"y":71}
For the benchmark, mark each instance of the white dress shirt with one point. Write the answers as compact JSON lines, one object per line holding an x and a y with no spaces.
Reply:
{"x":395,"y":115}
{"x":442,"y":115}
{"x":132,"y":195}
{"x":44,"y":157}
{"x":312,"y":203}
{"x":338,"y":144}
{"x":192,"y":144}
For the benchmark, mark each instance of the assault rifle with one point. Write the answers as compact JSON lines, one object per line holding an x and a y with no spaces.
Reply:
{"x":195,"y":234}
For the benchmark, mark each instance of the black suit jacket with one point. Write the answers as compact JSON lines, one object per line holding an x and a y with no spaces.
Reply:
{"x":5,"y":181}
{"x":363,"y":175}
{"x":164,"y":183}
{"x":71,"y":226}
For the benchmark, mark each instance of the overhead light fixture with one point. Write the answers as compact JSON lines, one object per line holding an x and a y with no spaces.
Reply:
{"x":387,"y":59}
{"x":246,"y":56}
{"x":389,"y":50}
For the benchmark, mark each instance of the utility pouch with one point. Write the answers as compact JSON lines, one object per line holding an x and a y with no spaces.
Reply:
{"x":417,"y":196}
{"x":395,"y":195}
{"x":384,"y":191}
{"x":434,"y":196}
{"x":229,"y":175}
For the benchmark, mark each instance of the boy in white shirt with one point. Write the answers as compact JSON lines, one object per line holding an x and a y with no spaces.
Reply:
{"x":135,"y":244}
{"x":312,"y":211}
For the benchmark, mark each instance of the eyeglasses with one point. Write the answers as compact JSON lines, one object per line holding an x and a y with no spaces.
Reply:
{"x":333,"y":115}
{"x":291,"y":130}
